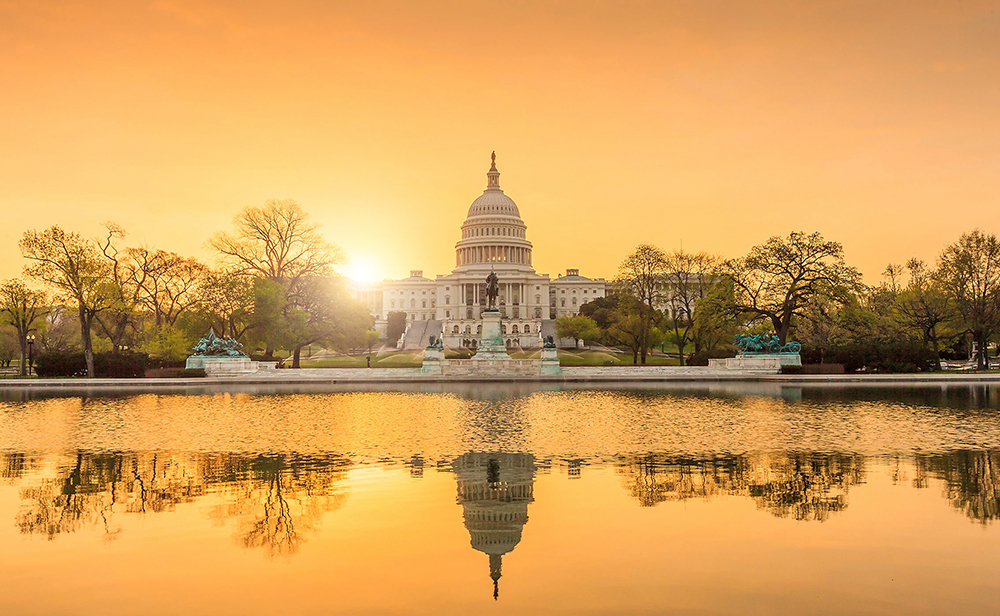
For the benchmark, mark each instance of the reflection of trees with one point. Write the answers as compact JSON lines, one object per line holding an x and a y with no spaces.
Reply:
{"x":803,"y":486}
{"x":277,"y":499}
{"x":13,"y":465}
{"x":274,"y":498}
{"x":971,"y":478}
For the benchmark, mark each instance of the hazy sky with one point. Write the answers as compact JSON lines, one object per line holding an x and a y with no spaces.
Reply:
{"x":712,"y":123}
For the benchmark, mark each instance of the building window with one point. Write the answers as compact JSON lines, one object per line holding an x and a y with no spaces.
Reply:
{"x":564,"y":302}
{"x":574,"y":301}
{"x":392,"y":303}
{"x":455,"y":330}
{"x":413,"y":303}
{"x":447,"y":300}
{"x":447,"y":315}
{"x":527,"y":329}
{"x":513,"y":329}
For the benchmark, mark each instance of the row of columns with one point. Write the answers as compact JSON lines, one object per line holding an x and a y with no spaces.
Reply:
{"x":493,"y":254}
{"x":509,"y":292}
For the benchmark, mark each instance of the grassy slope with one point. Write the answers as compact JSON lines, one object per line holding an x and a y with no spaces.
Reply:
{"x":413,"y":359}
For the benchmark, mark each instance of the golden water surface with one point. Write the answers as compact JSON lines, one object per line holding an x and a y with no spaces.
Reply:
{"x":501,"y":499}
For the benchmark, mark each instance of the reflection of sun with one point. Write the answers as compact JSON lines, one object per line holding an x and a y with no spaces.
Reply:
{"x":361,"y":269}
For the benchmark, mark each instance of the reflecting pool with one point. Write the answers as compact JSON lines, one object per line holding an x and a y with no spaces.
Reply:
{"x":713,"y":499}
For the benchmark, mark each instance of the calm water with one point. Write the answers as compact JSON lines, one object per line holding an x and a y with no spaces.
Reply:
{"x":502,"y":499}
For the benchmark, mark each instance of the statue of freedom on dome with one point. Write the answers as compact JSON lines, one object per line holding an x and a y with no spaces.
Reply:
{"x":492,"y":290}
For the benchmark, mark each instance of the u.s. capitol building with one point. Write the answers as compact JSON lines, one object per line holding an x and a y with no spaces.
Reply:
{"x":493,"y":237}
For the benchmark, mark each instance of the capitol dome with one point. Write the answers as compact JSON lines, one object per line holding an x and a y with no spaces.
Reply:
{"x":493,"y":233}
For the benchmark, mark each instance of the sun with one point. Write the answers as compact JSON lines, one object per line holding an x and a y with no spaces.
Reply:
{"x":361,"y":269}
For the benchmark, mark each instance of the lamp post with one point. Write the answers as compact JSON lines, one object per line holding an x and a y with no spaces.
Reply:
{"x":31,"y":355}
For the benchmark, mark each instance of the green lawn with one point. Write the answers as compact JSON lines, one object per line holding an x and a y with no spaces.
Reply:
{"x":413,"y":359}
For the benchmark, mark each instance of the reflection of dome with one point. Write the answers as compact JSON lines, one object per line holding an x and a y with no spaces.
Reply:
{"x":494,"y":490}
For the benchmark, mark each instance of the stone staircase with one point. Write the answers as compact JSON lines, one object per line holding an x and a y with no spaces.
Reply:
{"x":419,"y":332}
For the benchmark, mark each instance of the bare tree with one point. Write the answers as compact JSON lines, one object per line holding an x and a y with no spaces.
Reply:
{"x":278,"y":242}
{"x":125,"y":288}
{"x":779,"y":278}
{"x":169,"y":284}
{"x":23,"y":307}
{"x":77,"y":270}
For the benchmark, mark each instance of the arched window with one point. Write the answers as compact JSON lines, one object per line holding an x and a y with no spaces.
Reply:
{"x":455,"y":330}
{"x":468,"y":329}
{"x":503,"y":328}
{"x":527,"y":329}
{"x":563,"y":302}
{"x":538,"y":299}
{"x":413,"y":303}
{"x":423,"y":303}
{"x":513,"y":329}
{"x":447,"y":300}
{"x":574,"y":301}
{"x":479,"y":329}
{"x":392,"y":303}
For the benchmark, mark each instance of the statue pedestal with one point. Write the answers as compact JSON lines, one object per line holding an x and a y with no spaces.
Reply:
{"x":222,"y":366}
{"x":550,"y":361}
{"x":433,"y":361}
{"x":764,"y":362}
{"x":491,"y":344}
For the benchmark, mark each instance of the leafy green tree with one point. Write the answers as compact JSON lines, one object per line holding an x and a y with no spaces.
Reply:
{"x":226,"y":304}
{"x":371,"y":339}
{"x":395,"y":325}
{"x":78,"y":272}
{"x":577,"y":327}
{"x":630,"y":329}
{"x":600,"y":310}
{"x":324,"y":312}
{"x":688,"y":277}
{"x":779,"y":278}
{"x":715,"y":323}
{"x":926,"y":306}
{"x":970,"y":271}
{"x":22,"y":308}
{"x":9,"y":347}
{"x":641,"y":275}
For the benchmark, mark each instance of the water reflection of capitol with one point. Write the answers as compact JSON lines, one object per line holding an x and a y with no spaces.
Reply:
{"x":494,"y":490}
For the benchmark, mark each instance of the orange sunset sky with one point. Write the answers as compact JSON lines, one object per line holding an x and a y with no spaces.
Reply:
{"x":712,"y":123}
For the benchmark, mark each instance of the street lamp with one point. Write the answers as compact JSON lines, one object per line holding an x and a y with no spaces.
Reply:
{"x":31,"y":355}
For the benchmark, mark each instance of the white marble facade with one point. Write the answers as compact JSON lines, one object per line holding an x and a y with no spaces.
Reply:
{"x":493,"y":237}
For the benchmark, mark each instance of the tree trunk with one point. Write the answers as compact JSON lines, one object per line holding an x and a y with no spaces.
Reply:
{"x":23,"y":343}
{"x":88,"y":348}
{"x":296,"y":354}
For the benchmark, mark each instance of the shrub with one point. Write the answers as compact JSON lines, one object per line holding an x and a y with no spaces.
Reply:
{"x":106,"y":365}
{"x":60,"y":363}
{"x":120,"y":365}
